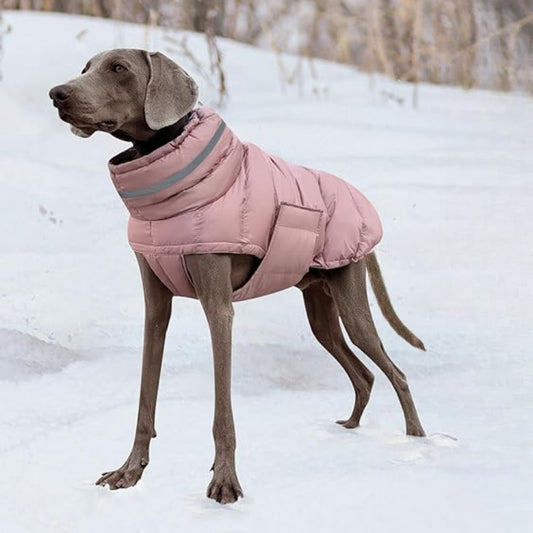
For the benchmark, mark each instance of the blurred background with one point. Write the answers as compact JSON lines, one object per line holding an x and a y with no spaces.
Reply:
{"x":469,"y":43}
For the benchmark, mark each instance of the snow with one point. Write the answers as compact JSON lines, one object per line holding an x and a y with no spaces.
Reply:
{"x":452,"y":182}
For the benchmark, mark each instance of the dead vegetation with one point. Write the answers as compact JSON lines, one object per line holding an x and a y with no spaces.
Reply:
{"x":471,"y":43}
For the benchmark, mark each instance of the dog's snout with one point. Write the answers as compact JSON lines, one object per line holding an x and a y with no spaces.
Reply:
{"x":60,"y":93}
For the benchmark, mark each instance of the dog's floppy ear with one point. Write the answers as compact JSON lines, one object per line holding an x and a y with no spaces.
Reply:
{"x":171,"y":93}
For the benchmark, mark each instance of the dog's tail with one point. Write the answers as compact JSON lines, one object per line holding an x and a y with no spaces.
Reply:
{"x":378,"y":286}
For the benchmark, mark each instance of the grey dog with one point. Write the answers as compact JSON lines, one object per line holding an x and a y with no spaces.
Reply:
{"x":144,"y":98}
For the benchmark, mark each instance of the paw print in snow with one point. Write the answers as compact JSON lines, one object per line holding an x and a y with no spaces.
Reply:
{"x":49,"y":215}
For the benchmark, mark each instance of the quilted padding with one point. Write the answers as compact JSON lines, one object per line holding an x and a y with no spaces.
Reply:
{"x":208,"y":192}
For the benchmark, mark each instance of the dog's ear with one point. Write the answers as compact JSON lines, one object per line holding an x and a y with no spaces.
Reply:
{"x":171,"y":93}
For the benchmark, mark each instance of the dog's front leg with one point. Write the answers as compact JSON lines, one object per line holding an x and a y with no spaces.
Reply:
{"x":158,"y":305}
{"x":211,"y":276}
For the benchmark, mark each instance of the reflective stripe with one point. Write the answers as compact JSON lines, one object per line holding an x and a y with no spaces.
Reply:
{"x":174,"y":178}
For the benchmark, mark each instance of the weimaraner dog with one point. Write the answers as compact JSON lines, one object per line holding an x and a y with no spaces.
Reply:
{"x":125,"y":93}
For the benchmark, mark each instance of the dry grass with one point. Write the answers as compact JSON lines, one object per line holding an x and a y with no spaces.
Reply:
{"x":471,"y":43}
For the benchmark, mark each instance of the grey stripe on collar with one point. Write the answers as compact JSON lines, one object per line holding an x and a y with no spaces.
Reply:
{"x":184,"y":172}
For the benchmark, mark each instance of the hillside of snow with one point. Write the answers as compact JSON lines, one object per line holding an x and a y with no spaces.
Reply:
{"x":452,"y":181}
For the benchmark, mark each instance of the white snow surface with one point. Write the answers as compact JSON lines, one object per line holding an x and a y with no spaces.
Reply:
{"x":452,"y":181}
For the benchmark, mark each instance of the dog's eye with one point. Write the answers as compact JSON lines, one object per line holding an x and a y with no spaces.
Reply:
{"x":85,"y":68}
{"x":118,"y":68}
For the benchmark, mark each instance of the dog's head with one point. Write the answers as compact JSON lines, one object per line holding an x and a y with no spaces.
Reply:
{"x":129,"y":93}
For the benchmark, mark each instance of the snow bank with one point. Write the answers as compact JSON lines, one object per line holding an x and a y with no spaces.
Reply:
{"x":23,"y":356}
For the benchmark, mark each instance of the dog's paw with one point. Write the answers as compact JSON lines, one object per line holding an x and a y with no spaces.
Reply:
{"x":415,"y":430}
{"x":224,"y":487}
{"x":349,"y":424}
{"x":126,"y":476}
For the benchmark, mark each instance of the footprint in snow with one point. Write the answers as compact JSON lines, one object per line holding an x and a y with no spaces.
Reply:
{"x":407,"y":449}
{"x":44,"y":212}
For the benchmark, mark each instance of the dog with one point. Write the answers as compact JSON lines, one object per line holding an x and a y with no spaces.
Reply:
{"x":146,"y":99}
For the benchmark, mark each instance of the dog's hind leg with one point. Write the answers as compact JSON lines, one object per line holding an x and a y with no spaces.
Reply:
{"x":323,"y":317}
{"x":158,"y":307}
{"x":348,"y":289}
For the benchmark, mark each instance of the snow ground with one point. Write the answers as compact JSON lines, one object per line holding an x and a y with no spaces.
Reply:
{"x":452,"y":182}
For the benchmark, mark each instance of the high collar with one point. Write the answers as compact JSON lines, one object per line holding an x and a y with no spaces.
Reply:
{"x":190,"y":170}
{"x":142,"y":148}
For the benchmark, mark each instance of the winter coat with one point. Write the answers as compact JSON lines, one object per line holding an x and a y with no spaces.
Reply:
{"x":208,"y":192}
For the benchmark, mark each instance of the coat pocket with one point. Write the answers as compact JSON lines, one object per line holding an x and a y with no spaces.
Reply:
{"x":290,"y":252}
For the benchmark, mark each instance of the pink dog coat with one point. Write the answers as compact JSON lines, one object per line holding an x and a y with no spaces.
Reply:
{"x":208,"y":192}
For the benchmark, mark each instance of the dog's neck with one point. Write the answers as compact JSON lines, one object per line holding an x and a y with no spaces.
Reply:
{"x":161,"y":137}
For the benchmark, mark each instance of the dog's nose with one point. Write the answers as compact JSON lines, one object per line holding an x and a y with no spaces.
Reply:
{"x":60,"y":93}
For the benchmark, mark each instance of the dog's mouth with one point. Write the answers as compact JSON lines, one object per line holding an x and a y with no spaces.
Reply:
{"x":76,"y":127}
{"x":84,"y":128}
{"x":83,"y":133}
{"x":107,"y":125}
